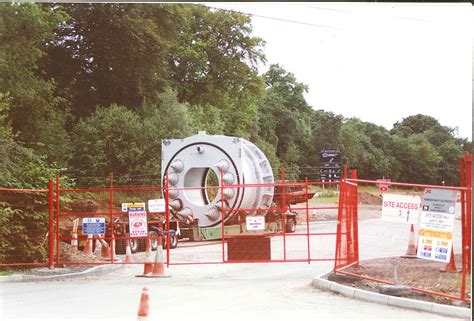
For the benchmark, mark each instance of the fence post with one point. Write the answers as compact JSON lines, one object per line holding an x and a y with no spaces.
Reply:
{"x":283,"y":215}
{"x":223,"y":215}
{"x":167,"y":212}
{"x":340,"y":209}
{"x":356,"y":218}
{"x":58,"y":207}
{"x":468,"y":182}
{"x":307,"y":219}
{"x":111,"y":218}
{"x":463,"y":227}
{"x":51,"y":224}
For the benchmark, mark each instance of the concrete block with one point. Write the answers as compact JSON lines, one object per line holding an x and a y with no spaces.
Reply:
{"x":370,"y":296}
{"x":321,"y":284}
{"x":347,"y":291}
{"x":451,"y":311}
{"x":409,"y":303}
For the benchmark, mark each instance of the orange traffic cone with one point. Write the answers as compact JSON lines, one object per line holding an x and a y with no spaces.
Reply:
{"x":143,"y":308}
{"x":74,"y":242}
{"x":98,"y":248}
{"x":451,"y":266}
{"x":105,"y":250}
{"x":159,"y":267}
{"x":88,"y":247}
{"x":411,"y":250}
{"x":112,"y":248}
{"x":149,"y":263}
{"x":128,"y":253}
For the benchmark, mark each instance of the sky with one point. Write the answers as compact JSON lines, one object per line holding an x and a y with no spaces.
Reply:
{"x":377,"y":62}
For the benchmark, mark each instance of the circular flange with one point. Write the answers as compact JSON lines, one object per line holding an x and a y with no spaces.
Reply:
{"x":192,"y":162}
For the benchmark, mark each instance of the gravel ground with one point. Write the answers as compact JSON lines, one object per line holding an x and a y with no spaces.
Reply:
{"x":424,"y":274}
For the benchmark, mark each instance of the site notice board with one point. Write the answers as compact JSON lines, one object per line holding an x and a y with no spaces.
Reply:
{"x":137,"y":219}
{"x":435,"y":238}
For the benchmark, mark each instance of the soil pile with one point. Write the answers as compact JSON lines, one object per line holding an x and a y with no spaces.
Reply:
{"x":369,"y":199}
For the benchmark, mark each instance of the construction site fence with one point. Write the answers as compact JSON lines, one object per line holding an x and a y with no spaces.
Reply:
{"x":327,"y":228}
{"x":314,"y":237}
{"x":398,"y":265}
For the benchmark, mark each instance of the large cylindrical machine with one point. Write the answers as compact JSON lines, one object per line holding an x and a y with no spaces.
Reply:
{"x":192,"y":162}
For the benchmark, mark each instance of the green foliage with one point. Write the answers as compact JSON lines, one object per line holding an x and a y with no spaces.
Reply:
{"x":416,"y":124}
{"x":365,"y":148}
{"x":20,"y":167}
{"x":23,"y":231}
{"x":167,"y":71}
{"x":108,"y":141}
{"x":215,"y":57}
{"x":36,"y":113}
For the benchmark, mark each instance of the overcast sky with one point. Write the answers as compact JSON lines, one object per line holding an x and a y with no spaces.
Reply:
{"x":377,"y":62}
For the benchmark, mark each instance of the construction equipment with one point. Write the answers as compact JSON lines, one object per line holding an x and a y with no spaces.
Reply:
{"x":207,"y":173}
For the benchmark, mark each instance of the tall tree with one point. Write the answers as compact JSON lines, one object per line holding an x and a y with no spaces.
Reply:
{"x":284,"y":117}
{"x":366,"y":148}
{"x":37,"y":115}
{"x":115,"y":53}
{"x":215,"y":63}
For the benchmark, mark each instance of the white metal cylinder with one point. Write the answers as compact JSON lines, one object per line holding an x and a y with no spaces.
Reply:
{"x":190,"y":162}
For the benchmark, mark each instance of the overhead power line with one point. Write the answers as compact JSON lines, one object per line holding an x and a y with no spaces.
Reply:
{"x":277,"y":19}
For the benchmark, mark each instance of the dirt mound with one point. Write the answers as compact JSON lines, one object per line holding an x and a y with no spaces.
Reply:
{"x":69,"y":254}
{"x":84,"y":205}
{"x":369,"y":199}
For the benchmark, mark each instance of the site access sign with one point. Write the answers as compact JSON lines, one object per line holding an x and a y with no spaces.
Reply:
{"x":401,"y":208}
{"x":435,"y":239}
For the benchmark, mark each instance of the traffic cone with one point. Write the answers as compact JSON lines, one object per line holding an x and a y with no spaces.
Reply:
{"x":88,"y":247}
{"x":149,"y":263}
{"x":143,"y":308}
{"x":74,"y":243}
{"x":98,"y":247}
{"x":451,"y":266}
{"x":128,"y":253}
{"x":105,"y":250}
{"x":411,"y":250}
{"x":159,"y":267}
{"x":112,"y":248}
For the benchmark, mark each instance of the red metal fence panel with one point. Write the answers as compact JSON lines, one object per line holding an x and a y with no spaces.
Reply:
{"x":378,"y":235}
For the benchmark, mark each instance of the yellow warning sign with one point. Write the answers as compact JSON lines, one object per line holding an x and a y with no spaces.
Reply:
{"x":436,"y":234}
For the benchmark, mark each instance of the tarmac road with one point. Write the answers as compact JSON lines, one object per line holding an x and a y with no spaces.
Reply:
{"x":271,"y":291}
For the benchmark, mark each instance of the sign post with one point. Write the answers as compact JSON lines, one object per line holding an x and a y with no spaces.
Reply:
{"x":435,"y":238}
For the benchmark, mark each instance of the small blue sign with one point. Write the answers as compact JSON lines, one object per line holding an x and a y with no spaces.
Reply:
{"x":93,"y":225}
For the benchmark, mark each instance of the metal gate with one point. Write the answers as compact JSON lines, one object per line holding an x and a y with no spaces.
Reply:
{"x":311,"y":236}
